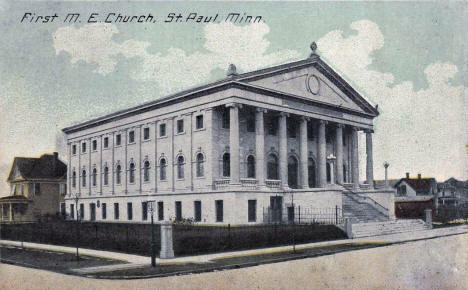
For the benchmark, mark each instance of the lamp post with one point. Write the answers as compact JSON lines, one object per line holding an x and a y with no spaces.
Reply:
{"x":77,"y":227}
{"x":153,"y":245}
{"x":386,"y":165}
{"x":331,"y":158}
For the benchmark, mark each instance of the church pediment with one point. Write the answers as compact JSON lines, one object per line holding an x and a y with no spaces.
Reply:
{"x":309,"y":82}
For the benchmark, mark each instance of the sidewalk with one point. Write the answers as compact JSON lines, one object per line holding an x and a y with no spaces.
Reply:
{"x":135,"y":261}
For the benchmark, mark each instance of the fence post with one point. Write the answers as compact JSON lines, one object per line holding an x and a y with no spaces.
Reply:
{"x":229,"y":236}
{"x":167,"y":251}
{"x":299,"y":207}
{"x":336,"y":214}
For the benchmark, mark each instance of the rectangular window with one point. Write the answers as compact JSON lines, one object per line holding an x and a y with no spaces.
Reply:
{"x":272,"y":126}
{"x":225,"y":117}
{"x":37,"y":188}
{"x":178,"y":210}
{"x":81,"y":211}
{"x":252,"y":210}
{"x":72,"y":211}
{"x":250,"y":124}
{"x":199,"y":122}
{"x":197,"y":209}
{"x":63,"y":209}
{"x":131,"y":137}
{"x":118,"y":140}
{"x":116,"y":211}
{"x":291,"y":128}
{"x":104,"y":210}
{"x":162,"y":130}
{"x":144,"y":210}
{"x":94,"y":145}
{"x":344,"y":139}
{"x":180,"y":126}
{"x":92,"y":211}
{"x":83,"y":147}
{"x":146,"y":133}
{"x":106,"y":142}
{"x":160,"y":211}
{"x":73,"y":149}
{"x":219,"y":210}
{"x":129,"y":211}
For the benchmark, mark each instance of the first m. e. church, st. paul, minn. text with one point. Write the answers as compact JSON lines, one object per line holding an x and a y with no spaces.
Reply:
{"x":192,"y":17}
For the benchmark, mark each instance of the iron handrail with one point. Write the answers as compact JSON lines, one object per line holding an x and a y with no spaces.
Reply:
{"x":354,"y":194}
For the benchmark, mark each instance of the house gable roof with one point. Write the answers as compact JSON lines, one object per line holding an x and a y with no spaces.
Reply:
{"x":47,"y":166}
{"x":418,"y":184}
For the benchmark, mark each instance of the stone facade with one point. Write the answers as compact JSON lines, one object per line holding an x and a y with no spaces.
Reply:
{"x":288,"y":131}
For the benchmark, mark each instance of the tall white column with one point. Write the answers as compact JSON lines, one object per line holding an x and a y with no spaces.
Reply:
{"x":339,"y":153}
{"x":355,"y":158}
{"x":260,"y":146}
{"x":369,"y":158}
{"x":283,"y":150}
{"x":304,"y":151}
{"x":234,"y":143}
{"x":321,"y":154}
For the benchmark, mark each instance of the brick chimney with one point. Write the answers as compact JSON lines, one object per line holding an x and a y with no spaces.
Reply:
{"x":407,"y":174}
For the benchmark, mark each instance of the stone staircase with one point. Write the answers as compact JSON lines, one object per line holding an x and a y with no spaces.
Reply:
{"x":369,"y":229}
{"x":359,"y":211}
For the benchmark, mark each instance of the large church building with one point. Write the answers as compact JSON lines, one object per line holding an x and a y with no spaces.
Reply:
{"x":227,"y":151}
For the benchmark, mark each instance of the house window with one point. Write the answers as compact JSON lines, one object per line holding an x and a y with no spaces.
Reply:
{"x":401,"y":190}
{"x":118,"y":140}
{"x":146,"y":133}
{"x":162,"y":169}
{"x":106,"y":142}
{"x":81,"y":217}
{"x":37,"y":188}
{"x":94,"y":145}
{"x":144,"y":210}
{"x":219,"y":211}
{"x":104,"y":210}
{"x":63,"y":209}
{"x":180,"y":167}
{"x":178,"y":210}
{"x":83,"y":178}
{"x":291,"y":128}
{"x":200,"y":167}
{"x":162,"y":130}
{"x":225,"y":119}
{"x":106,"y":175}
{"x":74,"y":179}
{"x":131,"y":137}
{"x":310,"y":131}
{"x":146,"y":170}
{"x":180,"y":126}
{"x":118,"y":174}
{"x":226,"y":165}
{"x":129,"y":211}
{"x":252,"y":213}
{"x":197,"y":210}
{"x":83,"y":147}
{"x":272,"y":167}
{"x":250,"y":124}
{"x":73,"y":149}
{"x":72,"y":211}
{"x":92,"y":211}
{"x":250,"y":167}
{"x":132,"y":173}
{"x":199,"y":122}
{"x":272,"y":126}
{"x":160,"y":210}
{"x":94,"y":176}
{"x":116,"y":211}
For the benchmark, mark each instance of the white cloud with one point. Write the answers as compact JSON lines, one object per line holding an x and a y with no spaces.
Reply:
{"x":225,"y":43}
{"x":418,"y":130}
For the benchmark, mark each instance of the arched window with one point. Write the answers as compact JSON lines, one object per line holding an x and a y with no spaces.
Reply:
{"x":83,"y":178}
{"x":250,"y":167}
{"x":272,"y":167}
{"x":94,"y":176}
{"x":74,"y":179}
{"x":200,"y":167}
{"x":226,"y":165}
{"x":118,"y":174}
{"x":146,"y":168}
{"x":132,"y":173}
{"x":162,"y":169}
{"x":328,"y":172}
{"x":106,"y":175}
{"x":292,"y":172}
{"x":180,"y":167}
{"x":345,"y":173}
{"x":312,"y":179}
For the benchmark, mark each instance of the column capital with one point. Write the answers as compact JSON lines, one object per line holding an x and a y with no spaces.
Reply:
{"x":369,"y":131}
{"x":340,"y":125}
{"x":261,"y":110}
{"x":323,"y":122}
{"x":354,"y":128}
{"x":284,"y":114}
{"x":234,"y":105}
{"x":305,"y":118}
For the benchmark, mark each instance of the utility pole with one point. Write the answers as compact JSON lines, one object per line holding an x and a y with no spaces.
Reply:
{"x":153,"y":244}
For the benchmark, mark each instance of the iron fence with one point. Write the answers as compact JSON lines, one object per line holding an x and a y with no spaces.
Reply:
{"x":303,"y":215}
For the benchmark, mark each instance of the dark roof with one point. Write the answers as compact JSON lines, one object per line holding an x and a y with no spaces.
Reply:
{"x":48,"y":166}
{"x":419,"y":184}
{"x":238,"y":80}
{"x":381,"y":183}
{"x":14,"y":198}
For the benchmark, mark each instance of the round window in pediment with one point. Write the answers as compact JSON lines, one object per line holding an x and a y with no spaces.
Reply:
{"x":313,"y":84}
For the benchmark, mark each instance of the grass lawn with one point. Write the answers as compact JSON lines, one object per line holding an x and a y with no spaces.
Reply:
{"x":49,"y":260}
{"x":232,"y":262}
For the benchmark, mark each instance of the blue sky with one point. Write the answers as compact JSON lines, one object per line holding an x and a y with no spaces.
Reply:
{"x":410,"y":58}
